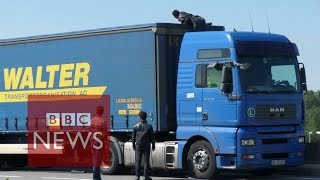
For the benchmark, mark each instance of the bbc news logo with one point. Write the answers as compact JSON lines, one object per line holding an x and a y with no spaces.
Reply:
{"x":68,"y":119}
{"x":56,"y":139}
{"x":66,"y":133}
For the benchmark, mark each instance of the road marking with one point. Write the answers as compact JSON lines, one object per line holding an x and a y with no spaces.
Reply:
{"x":63,"y":178}
{"x":293,"y":177}
{"x":8,"y":176}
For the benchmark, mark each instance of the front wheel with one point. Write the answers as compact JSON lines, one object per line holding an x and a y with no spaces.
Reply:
{"x":201,"y":160}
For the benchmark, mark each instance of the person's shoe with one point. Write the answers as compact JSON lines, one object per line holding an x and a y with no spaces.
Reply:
{"x":136,"y":178}
{"x":148,"y":178}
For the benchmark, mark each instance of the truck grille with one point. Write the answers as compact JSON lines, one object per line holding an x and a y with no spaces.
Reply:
{"x":275,"y":141}
{"x":276,"y":112}
{"x":274,"y":155}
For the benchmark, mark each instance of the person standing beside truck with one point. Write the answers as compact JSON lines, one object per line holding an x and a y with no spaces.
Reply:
{"x":98,"y":124}
{"x":142,"y":137}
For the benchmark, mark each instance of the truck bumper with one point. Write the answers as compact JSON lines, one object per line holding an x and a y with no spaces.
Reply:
{"x":267,"y":164}
{"x":275,"y":147}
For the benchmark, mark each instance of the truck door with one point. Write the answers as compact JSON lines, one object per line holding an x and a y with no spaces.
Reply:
{"x":189,"y":94}
{"x":218,"y":109}
{"x":200,"y":71}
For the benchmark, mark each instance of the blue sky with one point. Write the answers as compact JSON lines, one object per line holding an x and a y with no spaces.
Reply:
{"x":299,"y":20}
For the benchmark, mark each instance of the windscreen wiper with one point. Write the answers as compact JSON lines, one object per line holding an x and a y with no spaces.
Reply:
{"x":260,"y":91}
{"x":286,"y":92}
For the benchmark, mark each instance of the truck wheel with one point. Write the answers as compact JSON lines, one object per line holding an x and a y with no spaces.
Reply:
{"x":201,"y":160}
{"x":113,"y":166}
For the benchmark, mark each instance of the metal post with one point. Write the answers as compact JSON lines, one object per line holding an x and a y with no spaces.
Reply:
{"x":111,"y":119}
{"x":7,"y":123}
{"x":310,"y":136}
{"x":16,"y":123}
{"x":127,"y":121}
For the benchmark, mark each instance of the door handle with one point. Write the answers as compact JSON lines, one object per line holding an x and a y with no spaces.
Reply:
{"x":204,"y":116}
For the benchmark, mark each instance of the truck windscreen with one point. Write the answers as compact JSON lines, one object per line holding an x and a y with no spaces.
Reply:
{"x":269,"y":74}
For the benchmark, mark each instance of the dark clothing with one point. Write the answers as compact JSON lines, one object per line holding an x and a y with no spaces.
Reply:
{"x":96,"y":173}
{"x":197,"y":22}
{"x":142,"y":137}
{"x":145,"y":154}
{"x":97,"y":159}
{"x":184,"y":17}
{"x":143,"y":134}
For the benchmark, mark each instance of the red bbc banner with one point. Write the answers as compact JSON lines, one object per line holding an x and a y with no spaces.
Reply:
{"x":68,"y":131}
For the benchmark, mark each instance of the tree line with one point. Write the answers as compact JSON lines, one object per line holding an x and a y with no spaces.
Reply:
{"x":312,"y":120}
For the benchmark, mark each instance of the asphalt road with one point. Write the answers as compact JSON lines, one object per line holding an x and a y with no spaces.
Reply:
{"x":64,"y":174}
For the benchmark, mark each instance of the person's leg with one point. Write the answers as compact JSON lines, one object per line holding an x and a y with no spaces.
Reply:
{"x":96,"y":164}
{"x":138,"y":161}
{"x":146,"y":157}
{"x":96,"y":173}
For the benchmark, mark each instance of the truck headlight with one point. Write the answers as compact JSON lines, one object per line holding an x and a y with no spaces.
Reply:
{"x":248,"y":142}
{"x":301,"y":140}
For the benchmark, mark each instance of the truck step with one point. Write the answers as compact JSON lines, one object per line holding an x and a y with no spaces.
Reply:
{"x":170,"y":156}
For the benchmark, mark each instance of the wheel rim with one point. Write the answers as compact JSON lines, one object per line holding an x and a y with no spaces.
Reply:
{"x":200,"y":160}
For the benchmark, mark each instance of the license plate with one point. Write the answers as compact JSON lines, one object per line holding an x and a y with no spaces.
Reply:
{"x":278,"y":162}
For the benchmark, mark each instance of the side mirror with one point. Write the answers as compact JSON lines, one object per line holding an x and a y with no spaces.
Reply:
{"x":226,"y":79}
{"x":303,"y":77}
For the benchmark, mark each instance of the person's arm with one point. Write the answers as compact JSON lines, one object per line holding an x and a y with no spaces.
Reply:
{"x":183,"y":17}
{"x":152,"y":138}
{"x":194,"y":22}
{"x":134,"y":138}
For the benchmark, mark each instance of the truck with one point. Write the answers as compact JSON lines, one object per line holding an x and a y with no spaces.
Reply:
{"x":217,"y":100}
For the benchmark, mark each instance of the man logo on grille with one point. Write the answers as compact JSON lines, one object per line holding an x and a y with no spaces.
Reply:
{"x":276,"y":110}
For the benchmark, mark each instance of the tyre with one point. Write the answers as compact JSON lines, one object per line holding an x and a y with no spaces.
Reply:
{"x":112,"y":167}
{"x":201,"y":160}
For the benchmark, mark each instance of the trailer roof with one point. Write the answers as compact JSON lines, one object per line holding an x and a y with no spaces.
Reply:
{"x":160,"y":28}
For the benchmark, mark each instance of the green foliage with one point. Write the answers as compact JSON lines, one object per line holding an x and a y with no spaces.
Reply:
{"x":312,"y":124}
